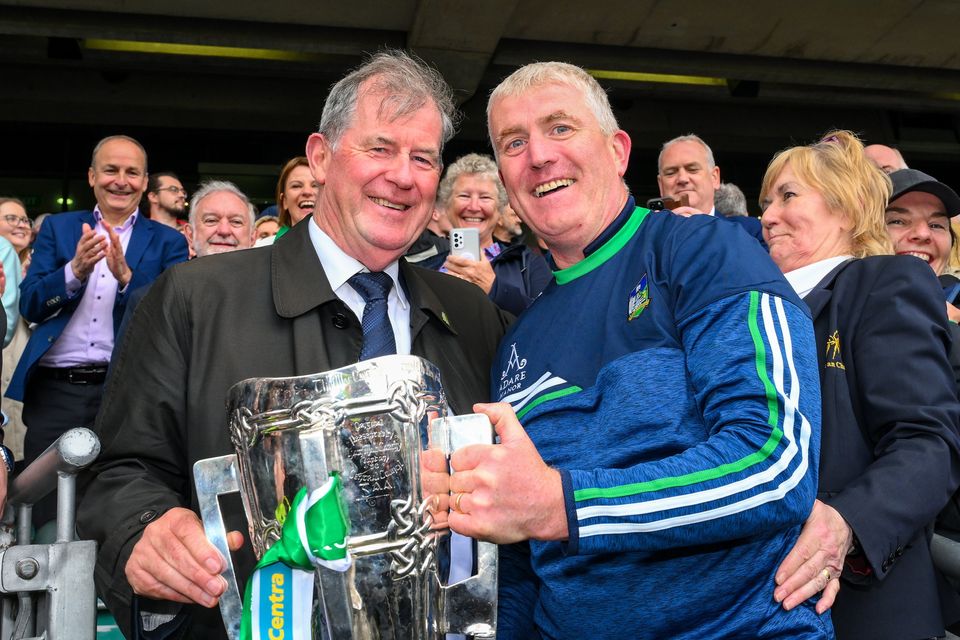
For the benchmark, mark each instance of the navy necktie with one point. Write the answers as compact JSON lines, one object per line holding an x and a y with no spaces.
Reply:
{"x":378,"y":339}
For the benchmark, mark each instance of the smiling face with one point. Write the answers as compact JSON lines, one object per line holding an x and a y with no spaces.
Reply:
{"x":299,"y":195}
{"x":799,"y":227}
{"x":919,"y":226}
{"x":118,"y":178}
{"x":684,"y":170}
{"x":473,"y":203}
{"x":562,"y":173}
{"x":379,"y":182}
{"x":221,"y":224}
{"x":18,"y":233}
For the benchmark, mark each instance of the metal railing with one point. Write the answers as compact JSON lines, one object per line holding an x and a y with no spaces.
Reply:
{"x":47,"y":590}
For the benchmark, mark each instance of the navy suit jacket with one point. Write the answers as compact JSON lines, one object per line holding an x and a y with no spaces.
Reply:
{"x":889,"y":448}
{"x":43,"y":293}
{"x":749,"y":224}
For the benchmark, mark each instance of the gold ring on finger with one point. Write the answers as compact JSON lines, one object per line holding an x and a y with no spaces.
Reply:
{"x":456,"y":502}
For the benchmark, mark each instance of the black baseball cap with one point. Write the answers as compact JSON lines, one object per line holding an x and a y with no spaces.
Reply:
{"x":907,"y":180}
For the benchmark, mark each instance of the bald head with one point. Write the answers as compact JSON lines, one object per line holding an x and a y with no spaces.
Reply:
{"x":887,"y":158}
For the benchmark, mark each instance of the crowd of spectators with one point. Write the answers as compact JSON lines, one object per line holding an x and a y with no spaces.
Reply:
{"x":848,"y":226}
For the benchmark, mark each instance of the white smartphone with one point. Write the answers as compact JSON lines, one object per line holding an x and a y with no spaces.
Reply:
{"x":465,"y":242}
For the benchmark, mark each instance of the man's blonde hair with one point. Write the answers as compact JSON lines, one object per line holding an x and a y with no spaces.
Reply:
{"x":540,"y":73}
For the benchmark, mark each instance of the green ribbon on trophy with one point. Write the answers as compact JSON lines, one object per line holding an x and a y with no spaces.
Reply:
{"x":279,"y":596}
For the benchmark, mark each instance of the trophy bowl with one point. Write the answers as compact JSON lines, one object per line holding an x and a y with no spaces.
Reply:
{"x":366,"y":425}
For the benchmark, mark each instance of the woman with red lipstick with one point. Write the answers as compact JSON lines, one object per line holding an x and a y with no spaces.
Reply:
{"x":472,"y":195}
{"x":890,"y":449}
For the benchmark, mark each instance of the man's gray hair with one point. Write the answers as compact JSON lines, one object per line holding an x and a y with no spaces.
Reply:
{"x":472,"y":164}
{"x":729,"y":200}
{"x":99,"y":145}
{"x":690,"y":137}
{"x":406,"y":83}
{"x":215,"y":186}
{"x":538,"y":74}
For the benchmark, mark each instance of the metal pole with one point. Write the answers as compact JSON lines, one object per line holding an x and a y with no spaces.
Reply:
{"x":66,"y":506}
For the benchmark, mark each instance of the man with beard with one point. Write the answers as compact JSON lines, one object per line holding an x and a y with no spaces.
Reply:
{"x":222,"y":219}
{"x":167,"y":199}
{"x":85,"y":265}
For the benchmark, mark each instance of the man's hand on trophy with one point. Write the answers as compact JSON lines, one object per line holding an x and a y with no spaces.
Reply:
{"x":435,"y":482}
{"x":505,"y":492}
{"x":174,"y":561}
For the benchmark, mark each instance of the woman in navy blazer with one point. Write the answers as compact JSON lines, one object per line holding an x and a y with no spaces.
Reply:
{"x":890,"y":449}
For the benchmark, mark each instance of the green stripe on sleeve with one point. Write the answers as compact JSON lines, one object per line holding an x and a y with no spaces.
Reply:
{"x":725,"y":469}
{"x":553,"y":395}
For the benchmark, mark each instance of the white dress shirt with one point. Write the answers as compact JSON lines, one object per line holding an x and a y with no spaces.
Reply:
{"x":804,"y":279}
{"x":340,"y":267}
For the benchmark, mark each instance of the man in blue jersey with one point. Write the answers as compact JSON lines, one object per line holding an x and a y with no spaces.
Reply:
{"x":660,"y":412}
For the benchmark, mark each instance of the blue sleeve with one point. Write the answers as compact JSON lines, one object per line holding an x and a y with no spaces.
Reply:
{"x":518,"y":592}
{"x":44,"y":290}
{"x":11,"y":292}
{"x":516,"y":294}
{"x":173,"y":251}
{"x":753,"y":370}
{"x":176,"y":251}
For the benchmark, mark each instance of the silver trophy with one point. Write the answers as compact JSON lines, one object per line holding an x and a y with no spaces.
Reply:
{"x":365,"y":422}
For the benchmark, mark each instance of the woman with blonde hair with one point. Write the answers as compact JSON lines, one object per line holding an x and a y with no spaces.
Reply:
{"x":890,"y":451}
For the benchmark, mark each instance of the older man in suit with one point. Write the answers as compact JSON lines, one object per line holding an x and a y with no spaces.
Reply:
{"x":84,"y":265}
{"x":202,"y":326}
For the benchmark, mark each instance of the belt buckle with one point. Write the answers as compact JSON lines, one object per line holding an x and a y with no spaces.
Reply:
{"x":82,"y":375}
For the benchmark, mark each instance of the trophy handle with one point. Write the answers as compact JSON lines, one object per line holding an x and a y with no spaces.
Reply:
{"x":214,"y":477}
{"x":470,"y":605}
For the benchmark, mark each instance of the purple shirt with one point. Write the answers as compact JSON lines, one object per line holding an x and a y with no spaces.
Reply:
{"x":88,"y":337}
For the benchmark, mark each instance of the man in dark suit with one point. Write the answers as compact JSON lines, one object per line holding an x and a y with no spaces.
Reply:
{"x":203,"y":327}
{"x":686,"y":167}
{"x":84,"y":266}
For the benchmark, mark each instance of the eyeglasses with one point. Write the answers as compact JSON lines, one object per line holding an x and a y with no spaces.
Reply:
{"x":14,"y":221}
{"x":173,"y":190}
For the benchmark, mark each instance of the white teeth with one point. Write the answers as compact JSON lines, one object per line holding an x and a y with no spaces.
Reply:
{"x":308,"y":204}
{"x":392,"y":205}
{"x":922,"y":256}
{"x":547,"y":187}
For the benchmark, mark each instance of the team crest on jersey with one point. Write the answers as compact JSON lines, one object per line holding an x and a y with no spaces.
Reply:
{"x":512,"y":377}
{"x":639,"y":299}
{"x":833,"y":352}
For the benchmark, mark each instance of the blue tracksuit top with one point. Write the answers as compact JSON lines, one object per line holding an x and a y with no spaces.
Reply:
{"x":671,"y":377}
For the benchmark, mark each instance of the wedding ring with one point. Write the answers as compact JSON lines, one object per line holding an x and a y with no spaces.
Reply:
{"x":456,"y":502}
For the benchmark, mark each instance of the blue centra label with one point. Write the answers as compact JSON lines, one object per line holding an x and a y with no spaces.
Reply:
{"x":276,"y":602}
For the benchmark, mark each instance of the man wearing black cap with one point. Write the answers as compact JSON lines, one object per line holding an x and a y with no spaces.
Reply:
{"x":918,"y":221}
